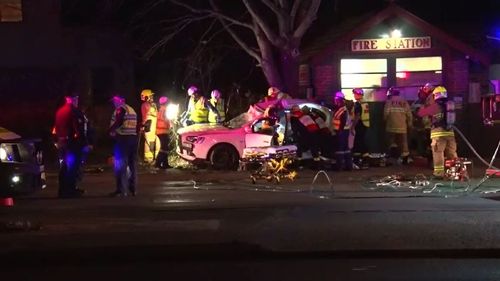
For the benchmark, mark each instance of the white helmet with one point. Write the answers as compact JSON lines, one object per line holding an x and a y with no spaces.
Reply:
{"x":192,"y":90}
{"x":215,"y":94}
{"x":163,"y":100}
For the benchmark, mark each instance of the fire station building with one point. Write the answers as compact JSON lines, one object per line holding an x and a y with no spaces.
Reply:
{"x":394,"y":48}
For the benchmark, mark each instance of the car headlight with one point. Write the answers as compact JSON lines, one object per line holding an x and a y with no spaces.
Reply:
{"x":195,"y":139}
{"x":3,"y":154}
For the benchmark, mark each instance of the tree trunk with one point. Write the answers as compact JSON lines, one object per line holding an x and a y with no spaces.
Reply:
{"x":289,"y":69}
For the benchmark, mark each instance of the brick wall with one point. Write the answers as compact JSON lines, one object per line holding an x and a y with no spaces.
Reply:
{"x":324,"y":79}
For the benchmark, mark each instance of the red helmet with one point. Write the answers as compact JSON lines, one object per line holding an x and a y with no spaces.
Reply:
{"x":358,"y":91}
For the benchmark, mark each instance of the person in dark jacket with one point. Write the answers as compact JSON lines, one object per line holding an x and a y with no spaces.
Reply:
{"x":71,"y":139}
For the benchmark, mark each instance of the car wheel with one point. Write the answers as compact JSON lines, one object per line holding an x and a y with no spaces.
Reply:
{"x":224,"y":157}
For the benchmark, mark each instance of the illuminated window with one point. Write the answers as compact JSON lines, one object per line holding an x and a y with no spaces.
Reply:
{"x":11,"y":11}
{"x":364,"y":73}
{"x":412,"y":73}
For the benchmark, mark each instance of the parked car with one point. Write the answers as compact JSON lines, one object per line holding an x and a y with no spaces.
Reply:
{"x":21,"y":165}
{"x":222,"y":145}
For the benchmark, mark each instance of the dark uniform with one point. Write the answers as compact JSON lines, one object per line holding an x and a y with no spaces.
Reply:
{"x":360,"y":150}
{"x":70,"y":133}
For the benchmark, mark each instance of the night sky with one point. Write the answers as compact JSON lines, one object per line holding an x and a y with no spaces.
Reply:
{"x":470,"y":21}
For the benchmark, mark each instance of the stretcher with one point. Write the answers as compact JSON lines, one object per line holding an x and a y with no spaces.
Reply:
{"x":272,"y":162}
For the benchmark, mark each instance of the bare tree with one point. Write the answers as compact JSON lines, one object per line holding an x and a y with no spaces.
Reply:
{"x":270,"y":31}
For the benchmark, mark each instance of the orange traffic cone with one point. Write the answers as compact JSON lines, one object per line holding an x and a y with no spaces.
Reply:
{"x":7,"y":202}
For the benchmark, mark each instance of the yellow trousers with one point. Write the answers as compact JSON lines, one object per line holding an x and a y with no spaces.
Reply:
{"x":443,"y":147}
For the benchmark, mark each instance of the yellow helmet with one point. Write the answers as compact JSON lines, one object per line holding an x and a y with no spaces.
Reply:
{"x":440,"y":93}
{"x":146,"y":94}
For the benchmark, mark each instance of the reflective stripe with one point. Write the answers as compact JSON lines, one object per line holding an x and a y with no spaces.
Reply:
{"x":129,"y":126}
{"x":365,"y":114}
{"x":337,"y":120}
{"x":439,"y":132}
{"x":199,"y":112}
{"x":309,"y":123}
{"x":219,"y":105}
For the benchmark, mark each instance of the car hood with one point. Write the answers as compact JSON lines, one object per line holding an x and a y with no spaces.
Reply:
{"x":6,"y":135}
{"x":206,"y":129}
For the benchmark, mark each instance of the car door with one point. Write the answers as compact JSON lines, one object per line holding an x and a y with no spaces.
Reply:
{"x":256,"y":137}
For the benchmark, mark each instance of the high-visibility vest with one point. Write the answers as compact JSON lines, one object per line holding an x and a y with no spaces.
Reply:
{"x":199,"y":113}
{"x":162,"y":124}
{"x":365,"y":114}
{"x":219,"y":105}
{"x":129,"y":126}
{"x":337,"y":119}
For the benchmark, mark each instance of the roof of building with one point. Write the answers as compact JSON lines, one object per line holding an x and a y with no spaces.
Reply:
{"x":325,"y":45}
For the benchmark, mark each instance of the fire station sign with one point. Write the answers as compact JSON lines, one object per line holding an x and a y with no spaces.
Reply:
{"x":385,"y":44}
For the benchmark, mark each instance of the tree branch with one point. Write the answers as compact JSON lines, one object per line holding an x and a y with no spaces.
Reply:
{"x":307,"y":20}
{"x":271,"y":35}
{"x":293,"y":13}
{"x":212,"y":13}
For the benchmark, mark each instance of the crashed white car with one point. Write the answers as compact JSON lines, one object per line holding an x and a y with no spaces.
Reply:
{"x":222,"y":145}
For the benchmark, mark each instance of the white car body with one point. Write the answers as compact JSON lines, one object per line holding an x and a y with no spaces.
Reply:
{"x":198,"y":141}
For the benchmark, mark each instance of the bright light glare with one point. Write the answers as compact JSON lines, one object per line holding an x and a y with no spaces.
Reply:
{"x":396,"y":33}
{"x":15,"y":179}
{"x":385,"y":35}
{"x":3,"y":154}
{"x":172,"y":111}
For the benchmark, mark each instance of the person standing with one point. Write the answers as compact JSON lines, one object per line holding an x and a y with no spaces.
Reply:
{"x":342,"y":127}
{"x":360,"y":124}
{"x":422,"y":125}
{"x":443,"y":143}
{"x":163,"y":131}
{"x":123,"y":130}
{"x":198,"y":107}
{"x":70,"y":134}
{"x":149,"y":113}
{"x":218,"y":103}
{"x":398,"y":118}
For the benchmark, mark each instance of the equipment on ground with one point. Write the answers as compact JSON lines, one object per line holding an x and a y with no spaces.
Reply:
{"x":456,"y":169}
{"x":272,"y":161}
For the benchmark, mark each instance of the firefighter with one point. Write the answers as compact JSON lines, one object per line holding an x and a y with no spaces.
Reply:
{"x":149,"y":113}
{"x":123,"y":130}
{"x":422,"y":125}
{"x":198,"y":107}
{"x":443,"y":143}
{"x":342,"y":127}
{"x":275,"y":94}
{"x":163,"y":131}
{"x":360,"y":125}
{"x":71,"y":140}
{"x":323,"y":136}
{"x":305,"y":131}
{"x":398,"y":118}
{"x":218,"y":103}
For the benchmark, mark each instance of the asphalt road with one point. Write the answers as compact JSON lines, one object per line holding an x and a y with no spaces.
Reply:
{"x":219,"y":222}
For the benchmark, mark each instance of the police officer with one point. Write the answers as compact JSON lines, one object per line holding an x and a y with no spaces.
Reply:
{"x":443,"y":141}
{"x":123,"y":130}
{"x":70,"y":133}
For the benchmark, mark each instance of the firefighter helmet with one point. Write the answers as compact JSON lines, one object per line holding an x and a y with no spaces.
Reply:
{"x":163,"y":100}
{"x":358,"y":91}
{"x":146,"y":94}
{"x":392,"y":92}
{"x":339,"y":95}
{"x":192,"y":90}
{"x":215,"y":94}
{"x":440,"y":93}
{"x":273,"y":91}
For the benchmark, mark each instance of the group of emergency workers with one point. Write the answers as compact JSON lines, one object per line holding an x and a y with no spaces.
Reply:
{"x":427,"y":124}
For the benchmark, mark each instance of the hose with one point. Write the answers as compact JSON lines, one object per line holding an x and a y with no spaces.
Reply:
{"x":489,"y":165}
